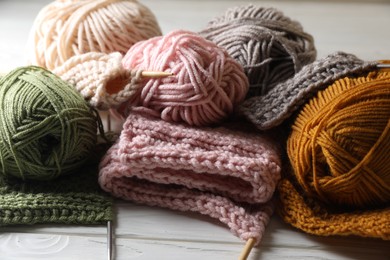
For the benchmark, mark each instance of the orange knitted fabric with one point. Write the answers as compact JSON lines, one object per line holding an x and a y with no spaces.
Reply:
{"x":312,"y":218}
{"x":339,"y":153}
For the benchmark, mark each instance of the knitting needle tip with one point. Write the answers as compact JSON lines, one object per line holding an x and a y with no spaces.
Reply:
{"x":384,"y":66}
{"x":156,"y":74}
{"x":247,"y":249}
{"x":109,"y":240}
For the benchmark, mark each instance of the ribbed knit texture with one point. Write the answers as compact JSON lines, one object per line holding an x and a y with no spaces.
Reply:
{"x":284,"y":99}
{"x":71,"y":199}
{"x":100,"y":78}
{"x":312,"y":217}
{"x":215,"y":172}
{"x":339,"y":154}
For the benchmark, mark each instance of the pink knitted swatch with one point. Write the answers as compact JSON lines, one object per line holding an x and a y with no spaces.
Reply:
{"x":206,"y":87}
{"x":226,"y":174}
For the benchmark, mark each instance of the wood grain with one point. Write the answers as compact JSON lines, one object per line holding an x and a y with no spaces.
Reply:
{"x":147,"y":232}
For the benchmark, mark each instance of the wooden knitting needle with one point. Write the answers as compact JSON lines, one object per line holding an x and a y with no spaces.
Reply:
{"x":247,"y":249}
{"x":156,"y":74}
{"x":116,"y":84}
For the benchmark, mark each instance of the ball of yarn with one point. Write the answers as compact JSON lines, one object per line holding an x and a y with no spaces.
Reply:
{"x":206,"y":86}
{"x":270,"y":46}
{"x":339,"y":145}
{"x":65,"y":28}
{"x":46,"y":127}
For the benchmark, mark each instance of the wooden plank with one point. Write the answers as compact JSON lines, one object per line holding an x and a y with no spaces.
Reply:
{"x":135,"y":222}
{"x":15,"y":246}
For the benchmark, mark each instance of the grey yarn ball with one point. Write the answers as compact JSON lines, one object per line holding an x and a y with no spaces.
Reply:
{"x":270,"y":46}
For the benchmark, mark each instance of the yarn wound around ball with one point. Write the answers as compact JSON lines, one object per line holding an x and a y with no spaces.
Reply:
{"x":46,"y":127}
{"x":339,"y":154}
{"x":339,"y":145}
{"x":269,"y":45}
{"x":63,"y":29}
{"x":206,"y":87}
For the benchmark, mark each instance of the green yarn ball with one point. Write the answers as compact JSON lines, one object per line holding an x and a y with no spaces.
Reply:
{"x":46,"y":127}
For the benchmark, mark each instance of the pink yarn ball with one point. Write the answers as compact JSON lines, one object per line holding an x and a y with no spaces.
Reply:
{"x":206,"y":87}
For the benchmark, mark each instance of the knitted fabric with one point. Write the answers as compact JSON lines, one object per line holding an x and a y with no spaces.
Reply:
{"x":215,"y":172}
{"x":312,"y":217}
{"x":284,"y":99}
{"x":100,"y":78}
{"x":71,"y":199}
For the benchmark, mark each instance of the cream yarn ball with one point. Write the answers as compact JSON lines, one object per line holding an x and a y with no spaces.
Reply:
{"x":65,"y":28}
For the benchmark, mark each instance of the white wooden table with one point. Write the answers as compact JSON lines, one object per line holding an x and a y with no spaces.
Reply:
{"x":153,"y":233}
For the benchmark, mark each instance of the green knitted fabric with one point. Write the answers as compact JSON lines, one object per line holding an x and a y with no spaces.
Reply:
{"x":70,"y":199}
{"x":38,"y":192}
